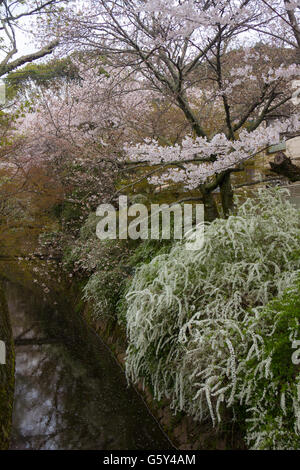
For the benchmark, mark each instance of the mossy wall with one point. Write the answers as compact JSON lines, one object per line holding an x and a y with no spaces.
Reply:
{"x":7,"y":373}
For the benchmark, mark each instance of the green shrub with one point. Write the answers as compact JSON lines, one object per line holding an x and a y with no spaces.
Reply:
{"x":103,"y":291}
{"x":270,"y":379}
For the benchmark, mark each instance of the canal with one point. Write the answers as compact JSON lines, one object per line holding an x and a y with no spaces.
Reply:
{"x":70,"y":392}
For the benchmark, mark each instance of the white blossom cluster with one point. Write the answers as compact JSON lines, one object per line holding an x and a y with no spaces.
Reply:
{"x":211,"y":156}
{"x":192,"y":15}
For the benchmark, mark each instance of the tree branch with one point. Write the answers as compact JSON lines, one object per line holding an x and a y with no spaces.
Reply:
{"x":4,"y":69}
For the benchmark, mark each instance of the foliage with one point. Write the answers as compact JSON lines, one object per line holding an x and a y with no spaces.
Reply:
{"x":187,"y":311}
{"x":42,"y":74}
{"x":148,"y":249}
{"x":143,"y":254}
{"x":109,"y":265}
{"x":271,"y":381}
{"x":103,"y":262}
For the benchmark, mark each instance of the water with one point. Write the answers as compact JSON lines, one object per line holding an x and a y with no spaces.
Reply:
{"x":70,"y":393}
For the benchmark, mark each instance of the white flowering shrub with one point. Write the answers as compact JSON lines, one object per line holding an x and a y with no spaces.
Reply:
{"x":188,"y":311}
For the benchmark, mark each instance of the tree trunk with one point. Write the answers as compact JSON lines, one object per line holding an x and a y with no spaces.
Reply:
{"x":226,"y":195}
{"x":210,"y":207}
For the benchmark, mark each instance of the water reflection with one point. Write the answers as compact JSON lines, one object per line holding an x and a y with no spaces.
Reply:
{"x":69,"y":396}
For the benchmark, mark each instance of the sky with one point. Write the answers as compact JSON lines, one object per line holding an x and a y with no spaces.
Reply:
{"x":24,"y":41}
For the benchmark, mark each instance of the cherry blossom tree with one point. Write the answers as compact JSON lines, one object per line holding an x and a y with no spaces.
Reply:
{"x":77,"y":129}
{"x":13,"y":17}
{"x":183,"y":49}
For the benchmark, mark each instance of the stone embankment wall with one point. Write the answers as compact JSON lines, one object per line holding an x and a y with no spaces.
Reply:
{"x":7,"y":373}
